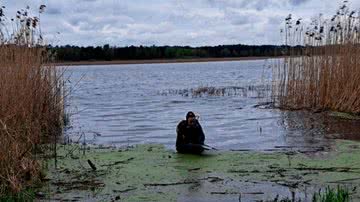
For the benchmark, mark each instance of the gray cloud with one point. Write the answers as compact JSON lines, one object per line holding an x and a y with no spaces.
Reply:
{"x":176,"y":22}
{"x":298,"y":2}
{"x":53,"y":11}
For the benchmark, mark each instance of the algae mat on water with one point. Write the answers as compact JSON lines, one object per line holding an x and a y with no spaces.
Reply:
{"x":152,"y":173}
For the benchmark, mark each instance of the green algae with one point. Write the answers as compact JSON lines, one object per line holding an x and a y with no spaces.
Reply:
{"x":153,"y":173}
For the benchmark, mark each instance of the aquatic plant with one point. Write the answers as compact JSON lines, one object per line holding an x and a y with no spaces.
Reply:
{"x":323,"y":69}
{"x":340,"y":194}
{"x":31,"y":100}
{"x":255,"y":91}
{"x":26,"y":195}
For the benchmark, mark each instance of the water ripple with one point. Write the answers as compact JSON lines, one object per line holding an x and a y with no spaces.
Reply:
{"x":143,"y":103}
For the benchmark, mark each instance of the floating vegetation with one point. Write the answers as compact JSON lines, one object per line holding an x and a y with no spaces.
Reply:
{"x":254,"y":91}
{"x":153,"y":172}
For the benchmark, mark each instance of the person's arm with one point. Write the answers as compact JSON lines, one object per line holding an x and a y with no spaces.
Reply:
{"x":180,"y":139}
{"x":201,"y":134}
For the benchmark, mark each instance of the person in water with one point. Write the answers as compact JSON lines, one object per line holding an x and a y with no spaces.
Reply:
{"x":190,"y":136}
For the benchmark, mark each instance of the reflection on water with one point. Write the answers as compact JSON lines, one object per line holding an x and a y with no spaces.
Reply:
{"x":143,"y":103}
{"x":304,"y":130}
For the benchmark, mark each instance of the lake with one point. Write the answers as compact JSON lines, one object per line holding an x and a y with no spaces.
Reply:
{"x":123,"y":105}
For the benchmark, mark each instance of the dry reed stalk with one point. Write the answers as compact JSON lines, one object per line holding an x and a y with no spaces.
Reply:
{"x":31,"y":112}
{"x":31,"y":109}
{"x":323,"y":69}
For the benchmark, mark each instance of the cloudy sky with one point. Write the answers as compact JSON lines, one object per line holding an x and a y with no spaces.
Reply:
{"x":170,"y":22}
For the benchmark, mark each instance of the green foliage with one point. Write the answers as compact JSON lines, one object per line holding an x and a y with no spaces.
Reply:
{"x":341,"y":194}
{"x":24,"y":196}
{"x":107,"y":52}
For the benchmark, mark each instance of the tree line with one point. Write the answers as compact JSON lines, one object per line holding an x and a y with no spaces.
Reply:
{"x":108,"y":53}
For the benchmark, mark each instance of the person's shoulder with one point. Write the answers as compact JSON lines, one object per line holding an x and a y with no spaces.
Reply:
{"x":198,"y":124}
{"x":182,"y":123}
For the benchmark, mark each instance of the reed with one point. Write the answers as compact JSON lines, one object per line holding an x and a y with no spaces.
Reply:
{"x":322,"y":71}
{"x":340,"y":194}
{"x":31,"y":100}
{"x":254,"y":91}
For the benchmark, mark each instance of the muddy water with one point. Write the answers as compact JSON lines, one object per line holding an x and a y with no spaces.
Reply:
{"x":134,"y":104}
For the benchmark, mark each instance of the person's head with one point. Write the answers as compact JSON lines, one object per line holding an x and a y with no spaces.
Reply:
{"x":190,"y":118}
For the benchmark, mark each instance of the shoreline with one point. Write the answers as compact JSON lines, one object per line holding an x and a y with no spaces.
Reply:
{"x":159,"y":61}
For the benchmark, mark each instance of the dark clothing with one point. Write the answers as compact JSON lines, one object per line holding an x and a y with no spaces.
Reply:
{"x":189,"y":138}
{"x":190,"y":149}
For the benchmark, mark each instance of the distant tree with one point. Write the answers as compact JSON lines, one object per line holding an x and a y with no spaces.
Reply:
{"x":106,"y":52}
{"x":225,"y":52}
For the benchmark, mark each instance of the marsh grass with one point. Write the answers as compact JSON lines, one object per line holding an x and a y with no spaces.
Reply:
{"x":31,"y":100}
{"x":323,"y":69}
{"x":25,"y":195}
{"x":340,"y":194}
{"x":255,"y":91}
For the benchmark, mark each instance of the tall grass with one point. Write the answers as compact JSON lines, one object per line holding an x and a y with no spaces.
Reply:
{"x":323,"y":69}
{"x":340,"y":194}
{"x":31,"y":109}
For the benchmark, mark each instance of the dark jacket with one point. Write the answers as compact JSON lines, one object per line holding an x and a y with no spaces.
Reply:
{"x":187,"y":134}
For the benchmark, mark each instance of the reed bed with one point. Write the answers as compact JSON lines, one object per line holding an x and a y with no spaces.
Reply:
{"x":255,"y":91}
{"x":31,"y":100}
{"x":322,"y":71}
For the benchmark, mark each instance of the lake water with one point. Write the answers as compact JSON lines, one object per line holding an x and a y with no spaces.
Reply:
{"x":143,"y":103}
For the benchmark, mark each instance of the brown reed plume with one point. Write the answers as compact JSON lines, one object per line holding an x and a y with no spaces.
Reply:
{"x":323,"y":69}
{"x":31,"y":100}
